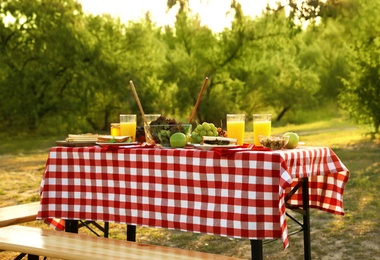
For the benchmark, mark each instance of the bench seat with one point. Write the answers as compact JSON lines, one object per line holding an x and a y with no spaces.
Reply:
{"x":51,"y":243}
{"x":18,"y":214}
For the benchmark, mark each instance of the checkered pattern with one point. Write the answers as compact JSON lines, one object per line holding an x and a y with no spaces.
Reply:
{"x":240,"y":196}
{"x":327,"y":178}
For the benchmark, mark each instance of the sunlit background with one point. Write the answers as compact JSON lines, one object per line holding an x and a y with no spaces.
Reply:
{"x":213,"y":13}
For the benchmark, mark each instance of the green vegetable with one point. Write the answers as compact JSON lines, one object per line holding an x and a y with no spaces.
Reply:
{"x":162,"y":128}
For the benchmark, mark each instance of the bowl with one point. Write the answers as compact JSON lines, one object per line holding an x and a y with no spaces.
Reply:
{"x":161,"y":133}
{"x":273,"y":142}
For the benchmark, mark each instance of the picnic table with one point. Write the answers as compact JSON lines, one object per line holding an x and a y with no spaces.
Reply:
{"x":242,"y":195}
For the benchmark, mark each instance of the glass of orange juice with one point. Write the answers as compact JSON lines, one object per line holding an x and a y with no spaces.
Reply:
{"x":261,"y":126}
{"x":236,"y":127}
{"x":128,"y":125}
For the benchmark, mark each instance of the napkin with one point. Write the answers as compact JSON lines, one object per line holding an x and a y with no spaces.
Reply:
{"x":226,"y":152}
{"x":116,"y":147}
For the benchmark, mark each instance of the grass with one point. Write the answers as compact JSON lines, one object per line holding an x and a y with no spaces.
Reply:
{"x":353,"y":236}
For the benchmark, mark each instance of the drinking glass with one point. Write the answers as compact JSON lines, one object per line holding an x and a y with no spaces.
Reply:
{"x":128,"y":125}
{"x":236,"y":127}
{"x":261,"y":126}
{"x":149,"y":118}
{"x":115,"y":129}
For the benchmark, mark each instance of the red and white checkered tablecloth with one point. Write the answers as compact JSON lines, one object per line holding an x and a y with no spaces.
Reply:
{"x":240,"y":196}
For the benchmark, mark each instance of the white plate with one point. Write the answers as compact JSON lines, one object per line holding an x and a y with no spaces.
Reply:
{"x":116,"y":144}
{"x":75,"y":143}
{"x":208,"y":147}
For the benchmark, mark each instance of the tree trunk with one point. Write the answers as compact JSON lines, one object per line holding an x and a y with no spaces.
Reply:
{"x":282,"y":113}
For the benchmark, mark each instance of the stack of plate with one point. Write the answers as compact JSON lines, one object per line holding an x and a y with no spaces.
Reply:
{"x":76,"y":140}
{"x":82,"y":138}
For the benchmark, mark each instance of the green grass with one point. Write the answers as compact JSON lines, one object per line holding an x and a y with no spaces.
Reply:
{"x":353,"y":236}
{"x":26,"y":145}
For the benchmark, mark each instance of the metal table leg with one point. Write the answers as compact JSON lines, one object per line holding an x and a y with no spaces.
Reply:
{"x":256,"y":249}
{"x":131,"y":233}
{"x":71,"y":226}
{"x":306,"y":219}
{"x":304,"y":210}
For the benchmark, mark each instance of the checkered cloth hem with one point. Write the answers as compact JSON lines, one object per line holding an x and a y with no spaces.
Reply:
{"x":327,"y":178}
{"x":57,"y":224}
{"x":241,"y":196}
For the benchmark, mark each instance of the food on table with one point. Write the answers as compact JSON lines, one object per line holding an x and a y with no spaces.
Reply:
{"x":273,"y":142}
{"x":162,"y":128}
{"x":215,"y":140}
{"x":204,"y":129}
{"x":293,"y":140}
{"x":222,"y":132}
{"x":89,"y":137}
{"x":140,"y":134}
{"x":178,"y":140}
{"x":114,"y":139}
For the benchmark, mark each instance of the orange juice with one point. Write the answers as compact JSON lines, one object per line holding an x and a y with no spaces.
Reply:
{"x":260,"y":128}
{"x":128,"y":128}
{"x":235,"y":129}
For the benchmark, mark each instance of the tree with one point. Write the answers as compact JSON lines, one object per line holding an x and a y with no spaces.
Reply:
{"x":362,"y":95}
{"x":73,"y":70}
{"x":37,"y":62}
{"x":70,"y":72}
{"x":193,"y":54}
{"x":275,"y":76}
{"x":361,"y":98}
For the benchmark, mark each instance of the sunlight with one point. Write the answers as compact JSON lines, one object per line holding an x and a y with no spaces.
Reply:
{"x":8,"y":19}
{"x":213,"y":13}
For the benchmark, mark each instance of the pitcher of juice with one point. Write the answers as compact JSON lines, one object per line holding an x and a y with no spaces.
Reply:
{"x":261,"y":126}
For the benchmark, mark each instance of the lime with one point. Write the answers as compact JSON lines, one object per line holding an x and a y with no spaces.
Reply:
{"x":178,"y":140}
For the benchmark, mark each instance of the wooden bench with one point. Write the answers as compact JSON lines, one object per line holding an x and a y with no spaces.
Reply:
{"x":64,"y":245}
{"x":18,"y":214}
{"x":23,"y":213}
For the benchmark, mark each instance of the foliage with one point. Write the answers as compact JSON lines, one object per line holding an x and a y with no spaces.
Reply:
{"x":37,"y":63}
{"x":62,"y":70}
{"x":362,"y":92}
{"x":361,"y":98}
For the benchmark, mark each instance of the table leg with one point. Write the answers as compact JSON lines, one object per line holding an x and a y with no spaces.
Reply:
{"x":71,"y":226}
{"x":106,"y":229}
{"x":306,"y":219}
{"x":256,"y":249}
{"x":131,"y":233}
